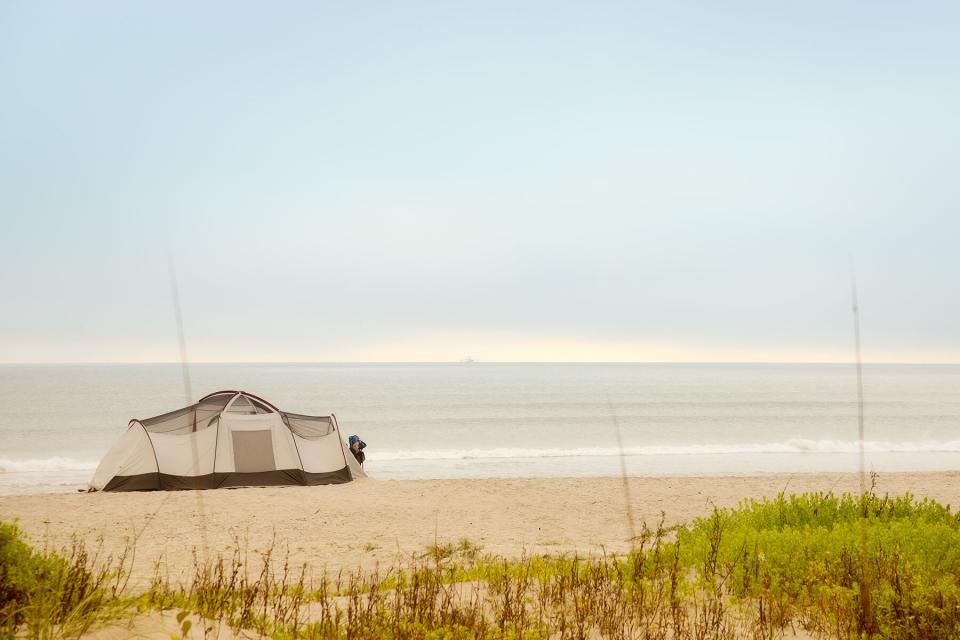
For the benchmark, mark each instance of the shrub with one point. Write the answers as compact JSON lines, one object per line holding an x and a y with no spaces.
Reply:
{"x":15,"y":575}
{"x":42,"y":591}
{"x":839,"y":565}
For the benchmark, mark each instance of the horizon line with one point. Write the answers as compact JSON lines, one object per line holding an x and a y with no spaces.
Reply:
{"x":475,"y":362}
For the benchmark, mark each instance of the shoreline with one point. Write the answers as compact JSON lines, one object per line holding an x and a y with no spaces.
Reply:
{"x":76,"y":485}
{"x":376,"y":523}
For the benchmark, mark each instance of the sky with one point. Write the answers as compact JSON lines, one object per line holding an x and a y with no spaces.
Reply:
{"x":430,"y":181}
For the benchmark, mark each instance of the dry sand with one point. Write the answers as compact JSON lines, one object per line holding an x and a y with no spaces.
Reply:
{"x":373,"y":521}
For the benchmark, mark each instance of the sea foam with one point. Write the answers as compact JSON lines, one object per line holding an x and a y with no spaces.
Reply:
{"x":54,"y":463}
{"x":797,"y":446}
{"x":794,"y":446}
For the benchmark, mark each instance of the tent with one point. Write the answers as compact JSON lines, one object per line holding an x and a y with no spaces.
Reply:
{"x":227,"y":439}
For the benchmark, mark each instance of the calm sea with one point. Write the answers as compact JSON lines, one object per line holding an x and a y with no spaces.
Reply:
{"x":512,"y":420}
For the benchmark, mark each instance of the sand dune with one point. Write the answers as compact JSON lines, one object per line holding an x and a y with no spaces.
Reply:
{"x":372,"y":522}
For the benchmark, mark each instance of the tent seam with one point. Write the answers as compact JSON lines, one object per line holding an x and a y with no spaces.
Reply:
{"x":293,"y":437}
{"x":156,"y":460}
{"x":216,"y":445}
{"x":336,"y":425}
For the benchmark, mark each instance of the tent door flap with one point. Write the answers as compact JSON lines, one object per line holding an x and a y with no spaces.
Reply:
{"x":253,"y":451}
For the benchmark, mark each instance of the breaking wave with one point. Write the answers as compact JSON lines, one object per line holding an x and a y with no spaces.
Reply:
{"x":795,"y":446}
{"x":55,"y":463}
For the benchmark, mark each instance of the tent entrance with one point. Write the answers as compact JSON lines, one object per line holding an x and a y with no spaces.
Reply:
{"x":253,"y":451}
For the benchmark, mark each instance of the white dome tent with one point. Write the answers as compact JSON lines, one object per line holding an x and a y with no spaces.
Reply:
{"x":227,"y":439}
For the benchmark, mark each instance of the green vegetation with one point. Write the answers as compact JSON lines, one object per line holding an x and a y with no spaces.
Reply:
{"x":835,"y":566}
{"x":802,"y":559}
{"x":49,"y":594}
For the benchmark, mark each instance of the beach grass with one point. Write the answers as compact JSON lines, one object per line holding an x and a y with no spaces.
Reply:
{"x":63,"y":593}
{"x":817,"y":564}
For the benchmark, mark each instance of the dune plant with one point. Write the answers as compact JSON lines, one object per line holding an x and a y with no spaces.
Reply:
{"x":802,"y":559}
{"x":756,"y":571}
{"x":47,"y":594}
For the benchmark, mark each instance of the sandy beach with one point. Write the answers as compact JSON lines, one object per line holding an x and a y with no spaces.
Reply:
{"x":373,"y":522}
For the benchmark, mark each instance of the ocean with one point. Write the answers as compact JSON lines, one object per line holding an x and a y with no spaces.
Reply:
{"x":476,"y":420}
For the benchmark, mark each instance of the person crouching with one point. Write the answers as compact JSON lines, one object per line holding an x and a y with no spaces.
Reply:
{"x":356,"y":448}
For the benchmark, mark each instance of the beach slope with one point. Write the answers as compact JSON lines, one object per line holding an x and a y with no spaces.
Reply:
{"x":369,"y":522}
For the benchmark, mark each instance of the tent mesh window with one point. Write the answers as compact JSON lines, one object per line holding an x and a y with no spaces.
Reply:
{"x":308,"y":427}
{"x":210,"y":408}
{"x":179,"y":421}
{"x":218,"y":399}
{"x":242,"y":405}
{"x":195,"y":417}
{"x":260,"y":407}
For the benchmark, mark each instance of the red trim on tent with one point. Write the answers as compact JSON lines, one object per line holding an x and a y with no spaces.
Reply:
{"x":219,"y":393}
{"x":266,"y":402}
{"x":246,"y":393}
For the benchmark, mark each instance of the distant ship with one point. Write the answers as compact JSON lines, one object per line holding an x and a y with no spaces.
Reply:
{"x":468,"y":360}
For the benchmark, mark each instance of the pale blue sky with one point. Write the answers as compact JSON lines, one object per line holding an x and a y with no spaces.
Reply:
{"x":511,"y":181}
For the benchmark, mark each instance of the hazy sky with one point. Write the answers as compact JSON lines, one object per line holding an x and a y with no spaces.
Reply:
{"x":509,"y":181}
